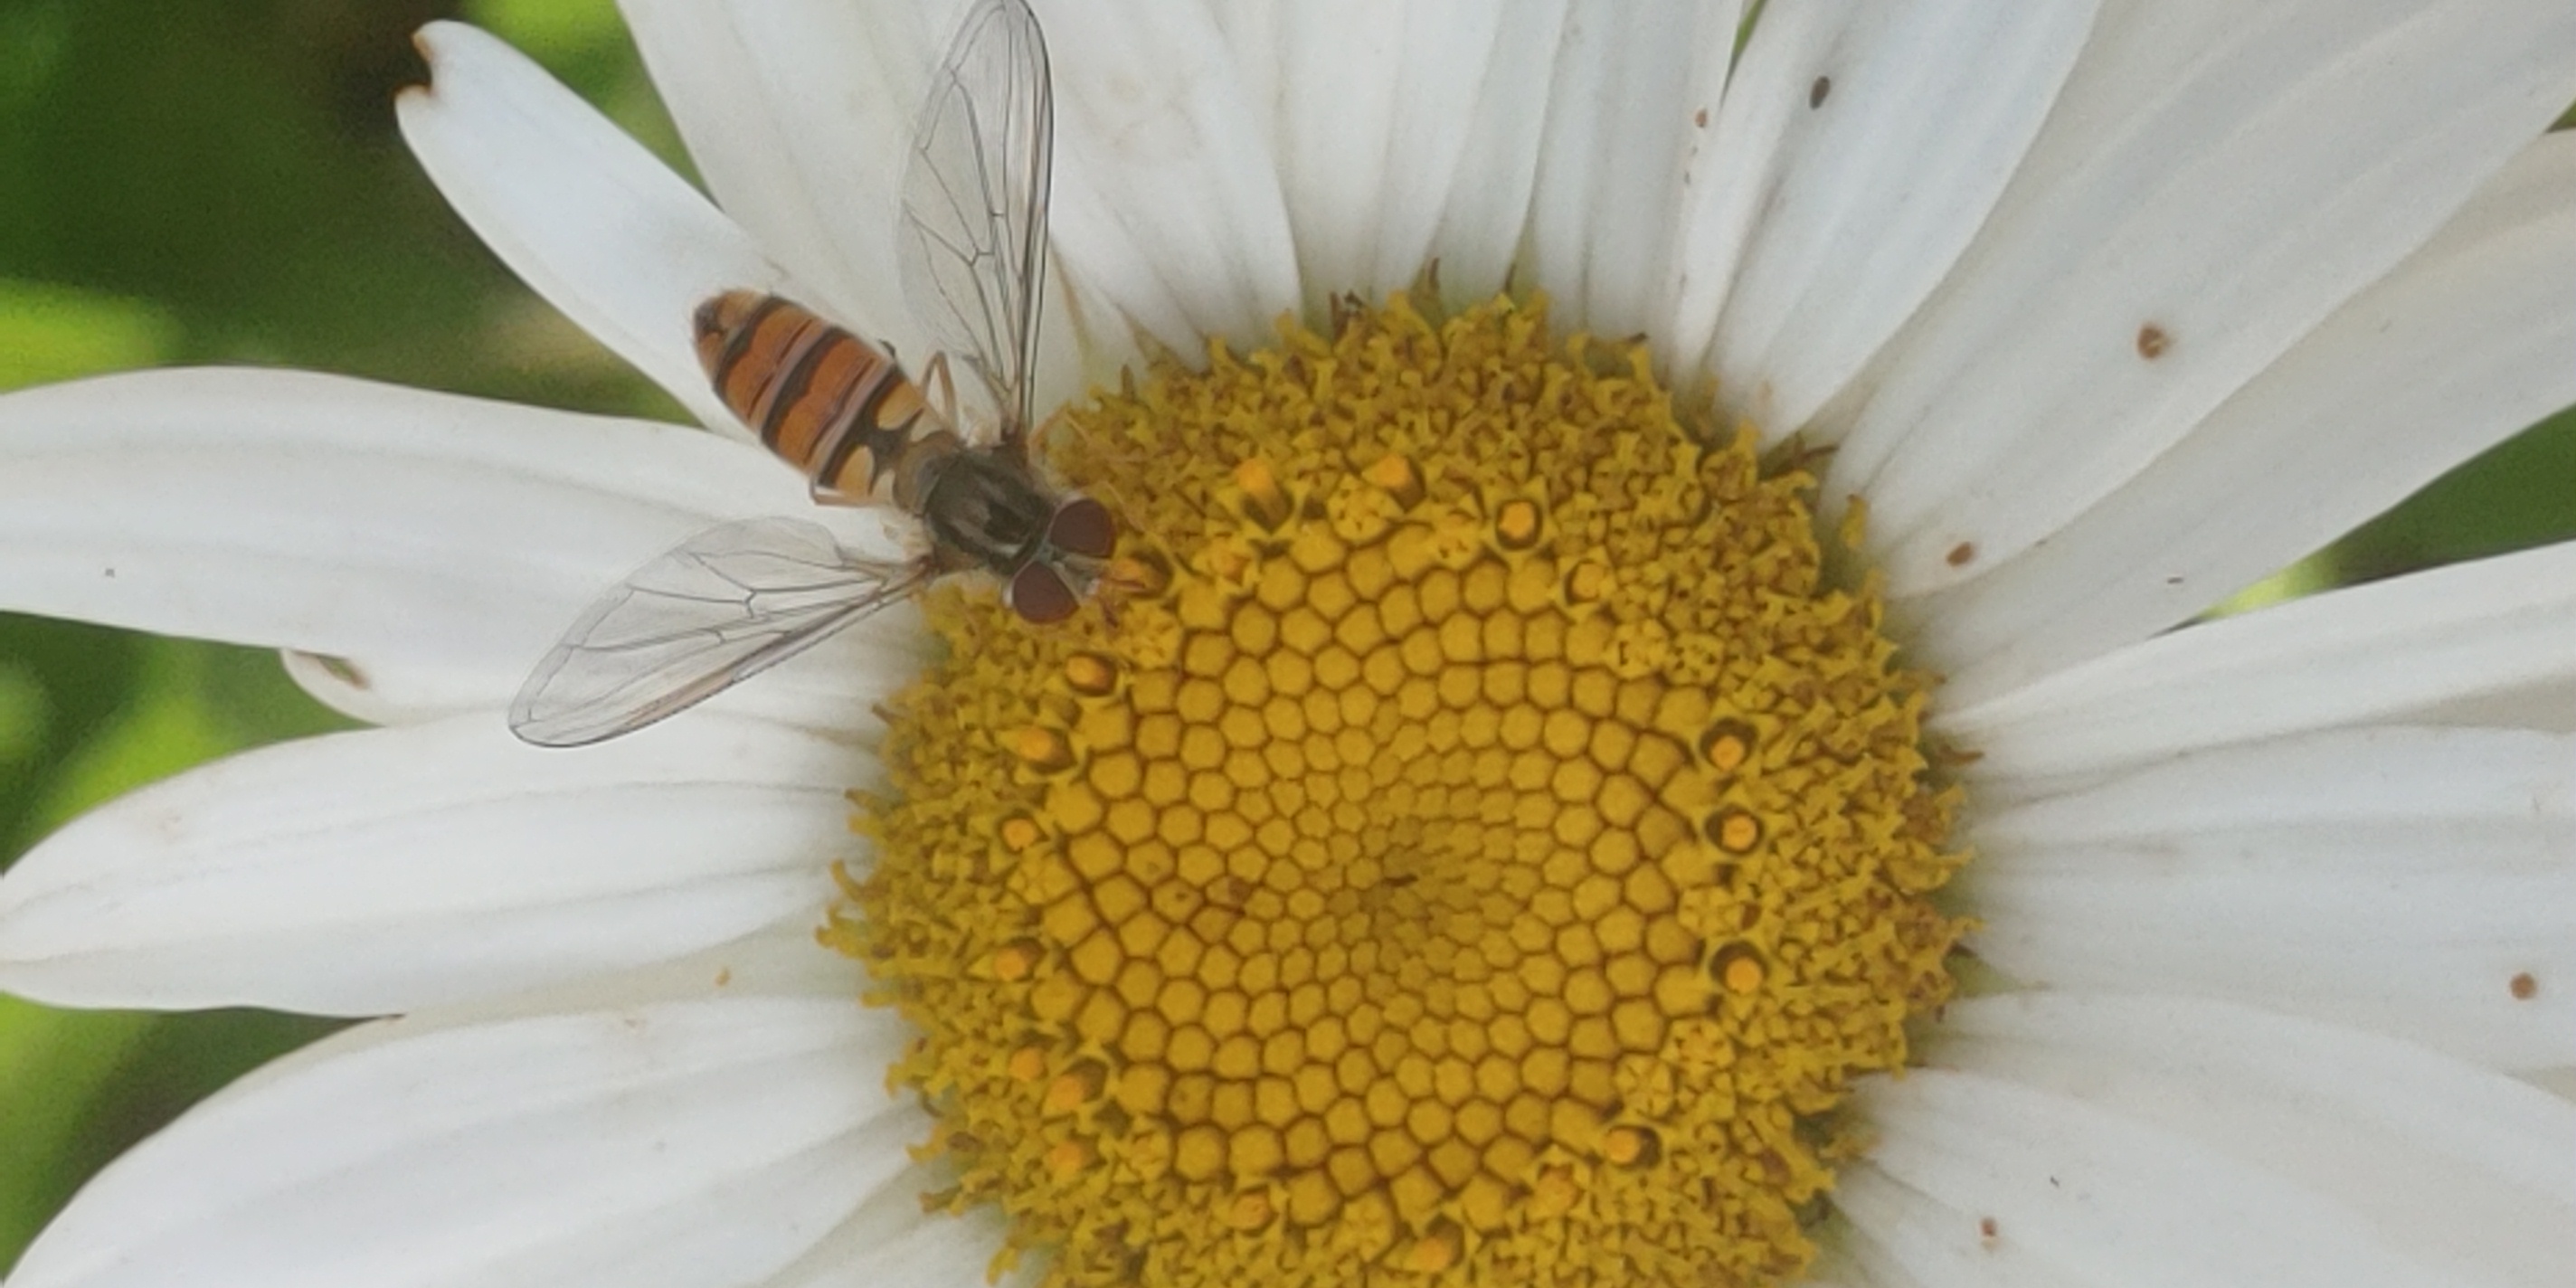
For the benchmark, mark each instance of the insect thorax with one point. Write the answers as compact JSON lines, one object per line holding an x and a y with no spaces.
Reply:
{"x":983,"y":509}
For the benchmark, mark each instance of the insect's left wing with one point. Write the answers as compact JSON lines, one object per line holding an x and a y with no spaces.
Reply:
{"x":973,"y":240}
{"x":724,"y":606}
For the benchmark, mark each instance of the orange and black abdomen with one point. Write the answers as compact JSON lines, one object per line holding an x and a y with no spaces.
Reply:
{"x":830,"y":403}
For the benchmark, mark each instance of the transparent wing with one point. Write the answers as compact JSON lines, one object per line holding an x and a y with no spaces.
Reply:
{"x":727,"y":604}
{"x":973,"y":238}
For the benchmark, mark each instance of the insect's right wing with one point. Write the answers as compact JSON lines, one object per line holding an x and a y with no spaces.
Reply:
{"x":725,"y":605}
{"x":973,"y":240}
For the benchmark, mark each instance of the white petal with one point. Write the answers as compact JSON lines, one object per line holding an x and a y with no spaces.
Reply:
{"x":1731,"y":164}
{"x":2410,"y":881}
{"x":1631,"y":80}
{"x":2559,"y":1082}
{"x":899,"y":1243}
{"x":2155,"y":1141}
{"x":386,"y":870}
{"x":1848,"y":210}
{"x":1374,"y":104}
{"x":780,"y":961}
{"x":1834,"y":1267}
{"x":1168,"y":213}
{"x":800,"y":115}
{"x":1489,"y":197}
{"x":2218,"y":176}
{"x":2378,"y":652}
{"x":833,"y":689}
{"x":404,"y":691}
{"x":344,"y":518}
{"x":1901,"y":1236}
{"x":680,"y":1142}
{"x":2464,"y":344}
{"x":580,"y":211}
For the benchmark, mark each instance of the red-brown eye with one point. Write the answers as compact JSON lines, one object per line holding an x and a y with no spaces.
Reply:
{"x":1038,"y":594}
{"x":1082,"y":526}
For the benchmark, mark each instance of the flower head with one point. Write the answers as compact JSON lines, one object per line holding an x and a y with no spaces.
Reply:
{"x":1502,"y":822}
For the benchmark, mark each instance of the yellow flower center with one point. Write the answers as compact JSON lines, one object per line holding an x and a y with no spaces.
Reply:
{"x":1483,"y":852}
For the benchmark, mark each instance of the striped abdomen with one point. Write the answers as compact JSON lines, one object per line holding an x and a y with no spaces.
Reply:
{"x":830,"y":403}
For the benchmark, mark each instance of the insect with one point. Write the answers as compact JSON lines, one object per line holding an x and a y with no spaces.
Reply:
{"x":740,"y":598}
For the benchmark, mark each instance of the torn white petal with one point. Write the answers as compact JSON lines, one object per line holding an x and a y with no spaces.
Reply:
{"x":584,"y":214}
{"x":800,"y":116}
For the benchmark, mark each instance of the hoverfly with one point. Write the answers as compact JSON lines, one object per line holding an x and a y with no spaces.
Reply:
{"x":738,"y":599}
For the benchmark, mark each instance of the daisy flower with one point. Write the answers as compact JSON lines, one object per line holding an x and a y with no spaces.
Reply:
{"x":1577,"y":713}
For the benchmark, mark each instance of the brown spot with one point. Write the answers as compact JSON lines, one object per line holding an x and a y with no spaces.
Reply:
{"x":724,"y":976}
{"x":341,"y":669}
{"x":2152,"y":342}
{"x":1700,"y":118}
{"x":1962,"y":553}
{"x":1816,"y":93}
{"x":2524,"y":987}
{"x":1986,"y":1229}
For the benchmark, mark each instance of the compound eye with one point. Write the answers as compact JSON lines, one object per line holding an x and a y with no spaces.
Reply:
{"x":1038,"y":594}
{"x":1082,"y":526}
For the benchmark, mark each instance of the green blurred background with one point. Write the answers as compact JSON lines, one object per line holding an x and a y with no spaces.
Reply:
{"x":185,"y":182}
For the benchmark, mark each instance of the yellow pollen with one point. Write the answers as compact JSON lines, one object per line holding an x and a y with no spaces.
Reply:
{"x":1432,"y":1255}
{"x":1019,"y":832}
{"x":1395,"y":476}
{"x":1735,"y":831}
{"x":1264,"y":503}
{"x":1249,"y":1211}
{"x":1066,"y":1094}
{"x":1016,"y":961}
{"x":1726,"y":745}
{"x":1090,"y":674}
{"x":1740,"y":970}
{"x":1471,"y":841}
{"x":1516,"y":525}
{"x":1043,"y":749}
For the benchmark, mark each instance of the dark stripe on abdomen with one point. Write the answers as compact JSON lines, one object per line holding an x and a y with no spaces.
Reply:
{"x":793,"y":382}
{"x":738,"y":340}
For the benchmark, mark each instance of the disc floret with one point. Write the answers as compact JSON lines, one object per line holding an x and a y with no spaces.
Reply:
{"x":1485,"y":849}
